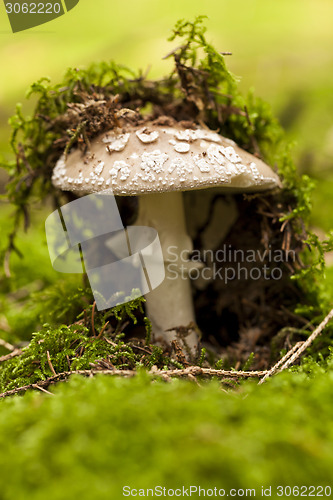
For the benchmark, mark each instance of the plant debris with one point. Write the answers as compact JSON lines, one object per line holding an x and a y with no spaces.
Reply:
{"x":165,"y":375}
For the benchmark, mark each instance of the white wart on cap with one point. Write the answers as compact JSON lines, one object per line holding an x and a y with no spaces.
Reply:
{"x":155,"y":158}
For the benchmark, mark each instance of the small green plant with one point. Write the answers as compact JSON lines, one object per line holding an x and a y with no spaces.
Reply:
{"x":249,"y":362}
{"x":202,"y":356}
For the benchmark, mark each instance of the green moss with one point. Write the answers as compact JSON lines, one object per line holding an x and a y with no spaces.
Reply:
{"x":96,"y":337}
{"x":98,"y":435}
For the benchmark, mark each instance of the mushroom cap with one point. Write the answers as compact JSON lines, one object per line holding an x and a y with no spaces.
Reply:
{"x":153,"y":157}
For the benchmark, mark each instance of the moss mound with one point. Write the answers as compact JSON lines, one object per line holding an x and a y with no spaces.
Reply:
{"x":200,"y":89}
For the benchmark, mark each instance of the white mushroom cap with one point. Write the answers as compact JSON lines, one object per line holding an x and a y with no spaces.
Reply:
{"x":152,"y":158}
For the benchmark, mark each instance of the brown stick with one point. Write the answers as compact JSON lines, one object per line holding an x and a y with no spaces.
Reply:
{"x":93,"y":318}
{"x":7,"y":345}
{"x":36,"y":386}
{"x":50,"y":363}
{"x":192,"y":371}
{"x":274,"y":369}
{"x":11,"y":355}
{"x":295,"y":353}
{"x":103,"y":330}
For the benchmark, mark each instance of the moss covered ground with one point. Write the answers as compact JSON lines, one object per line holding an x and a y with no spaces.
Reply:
{"x":95,"y":436}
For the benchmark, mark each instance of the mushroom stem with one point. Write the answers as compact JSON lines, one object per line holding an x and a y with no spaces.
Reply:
{"x":170,"y":305}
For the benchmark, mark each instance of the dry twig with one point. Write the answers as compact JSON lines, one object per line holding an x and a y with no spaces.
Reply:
{"x":36,"y":386}
{"x":50,"y":363}
{"x":93,"y":318}
{"x":11,"y":355}
{"x":281,"y":361}
{"x":192,"y":371}
{"x":298,"y":349}
{"x":7,"y":345}
{"x":103,"y":330}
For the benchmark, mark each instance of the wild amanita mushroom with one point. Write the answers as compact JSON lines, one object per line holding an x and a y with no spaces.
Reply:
{"x":156,"y":162}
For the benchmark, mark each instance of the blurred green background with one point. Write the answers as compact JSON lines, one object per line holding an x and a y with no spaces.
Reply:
{"x":281,"y":48}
